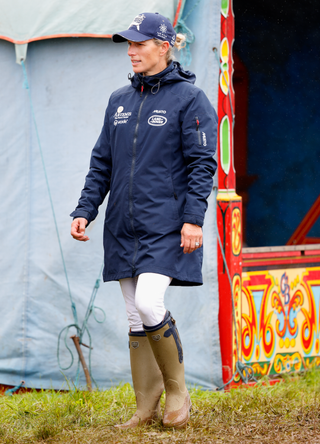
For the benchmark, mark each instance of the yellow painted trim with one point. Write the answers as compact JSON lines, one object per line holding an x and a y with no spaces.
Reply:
{"x":228,"y":195}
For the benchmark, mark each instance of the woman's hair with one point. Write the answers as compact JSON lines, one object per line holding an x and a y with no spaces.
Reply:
{"x":179,"y":44}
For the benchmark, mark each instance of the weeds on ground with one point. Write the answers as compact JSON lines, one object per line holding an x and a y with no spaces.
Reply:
{"x":287,"y":412}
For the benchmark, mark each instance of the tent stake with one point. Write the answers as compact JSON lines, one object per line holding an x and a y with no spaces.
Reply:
{"x":83,"y":362}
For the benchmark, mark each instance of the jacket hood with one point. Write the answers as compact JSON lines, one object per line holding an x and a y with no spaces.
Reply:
{"x":173,"y":73}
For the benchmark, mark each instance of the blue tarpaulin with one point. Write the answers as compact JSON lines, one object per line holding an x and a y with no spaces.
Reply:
{"x":70,"y":82}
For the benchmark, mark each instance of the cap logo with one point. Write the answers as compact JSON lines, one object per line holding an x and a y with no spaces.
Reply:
{"x":137,"y":21}
{"x":163,"y":28}
{"x":162,"y":32}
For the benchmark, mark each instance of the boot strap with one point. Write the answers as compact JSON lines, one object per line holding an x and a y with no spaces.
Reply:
{"x":172,"y":330}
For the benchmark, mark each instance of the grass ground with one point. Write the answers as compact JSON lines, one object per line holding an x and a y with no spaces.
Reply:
{"x":288,"y":412}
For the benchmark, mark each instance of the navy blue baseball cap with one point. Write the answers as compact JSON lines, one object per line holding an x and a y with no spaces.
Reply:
{"x":147,"y":26}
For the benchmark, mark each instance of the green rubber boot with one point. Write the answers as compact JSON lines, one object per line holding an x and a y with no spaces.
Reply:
{"x":166,"y":345}
{"x":147,"y":382}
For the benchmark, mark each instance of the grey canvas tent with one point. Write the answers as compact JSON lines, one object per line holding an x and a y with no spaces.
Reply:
{"x":72,"y":67}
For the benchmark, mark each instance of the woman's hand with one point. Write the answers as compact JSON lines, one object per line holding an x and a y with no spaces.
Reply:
{"x":191,"y":238}
{"x":78,"y":228}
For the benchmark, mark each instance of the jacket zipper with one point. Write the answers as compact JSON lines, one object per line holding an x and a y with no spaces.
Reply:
{"x":133,"y":163}
{"x":174,"y":193}
{"x":198,"y":131}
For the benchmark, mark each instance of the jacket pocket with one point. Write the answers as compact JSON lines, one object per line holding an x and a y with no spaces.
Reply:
{"x":110,"y":205}
{"x":198,"y":129}
{"x":173,"y":197}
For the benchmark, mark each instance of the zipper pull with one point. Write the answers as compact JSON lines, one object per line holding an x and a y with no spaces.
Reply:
{"x":198,"y":132}
{"x":198,"y":123}
{"x":141,"y":90}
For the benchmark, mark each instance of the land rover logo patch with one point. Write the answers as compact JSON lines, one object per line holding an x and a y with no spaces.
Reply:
{"x":135,"y":344}
{"x":157,"y":120}
{"x":156,"y":337}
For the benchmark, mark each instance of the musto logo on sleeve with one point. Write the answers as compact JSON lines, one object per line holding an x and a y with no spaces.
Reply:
{"x":120,"y":117}
{"x":157,"y":120}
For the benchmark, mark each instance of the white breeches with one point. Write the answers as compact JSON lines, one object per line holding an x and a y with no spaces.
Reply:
{"x":144,"y":299}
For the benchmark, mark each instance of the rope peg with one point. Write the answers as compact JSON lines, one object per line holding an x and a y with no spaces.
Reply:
{"x":85,"y":345}
{"x":10,"y":392}
{"x":76,"y":341}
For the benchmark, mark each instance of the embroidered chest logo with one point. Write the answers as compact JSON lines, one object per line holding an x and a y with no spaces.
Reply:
{"x":120,"y":117}
{"x":157,"y":120}
{"x":137,"y":21}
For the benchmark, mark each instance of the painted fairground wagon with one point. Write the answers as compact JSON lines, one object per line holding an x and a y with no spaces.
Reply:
{"x":270,"y":296}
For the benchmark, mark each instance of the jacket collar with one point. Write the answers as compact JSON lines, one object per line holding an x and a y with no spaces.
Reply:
{"x":173,"y":73}
{"x":138,"y":79}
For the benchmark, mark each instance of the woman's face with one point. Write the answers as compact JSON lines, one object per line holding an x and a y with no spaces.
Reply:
{"x":147,"y":57}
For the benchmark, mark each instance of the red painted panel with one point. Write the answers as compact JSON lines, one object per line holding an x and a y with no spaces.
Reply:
{"x":271,"y":254}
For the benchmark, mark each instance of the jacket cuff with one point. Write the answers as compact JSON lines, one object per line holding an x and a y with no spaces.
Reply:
{"x":193,"y":219}
{"x":81,"y":213}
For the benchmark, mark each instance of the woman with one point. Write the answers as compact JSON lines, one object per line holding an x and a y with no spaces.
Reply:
{"x":154,"y":156}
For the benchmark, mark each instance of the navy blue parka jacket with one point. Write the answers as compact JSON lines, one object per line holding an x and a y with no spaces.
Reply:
{"x":155,"y":158}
